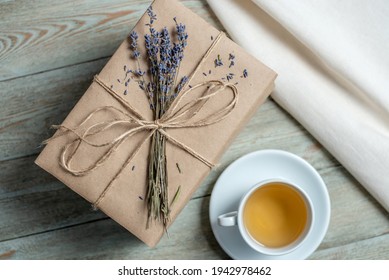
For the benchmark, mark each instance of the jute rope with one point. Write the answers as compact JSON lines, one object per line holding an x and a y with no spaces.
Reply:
{"x":174,"y":118}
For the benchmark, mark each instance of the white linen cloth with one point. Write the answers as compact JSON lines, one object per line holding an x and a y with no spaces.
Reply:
{"x":332,"y":58}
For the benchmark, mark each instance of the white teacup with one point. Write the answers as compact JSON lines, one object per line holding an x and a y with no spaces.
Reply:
{"x":274,"y":217}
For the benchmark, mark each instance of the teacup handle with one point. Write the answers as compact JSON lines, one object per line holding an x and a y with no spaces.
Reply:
{"x":228,"y":219}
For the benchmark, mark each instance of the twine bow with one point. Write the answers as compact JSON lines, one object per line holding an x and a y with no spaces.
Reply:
{"x":175,"y":117}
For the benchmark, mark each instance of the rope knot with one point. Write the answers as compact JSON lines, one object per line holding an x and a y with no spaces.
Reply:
{"x":177,"y":116}
{"x":158,"y":124}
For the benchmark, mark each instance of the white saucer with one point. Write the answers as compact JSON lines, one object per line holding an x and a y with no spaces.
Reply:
{"x":252,"y":168}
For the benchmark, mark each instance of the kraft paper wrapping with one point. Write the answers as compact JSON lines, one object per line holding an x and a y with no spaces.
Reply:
{"x":125,"y":201}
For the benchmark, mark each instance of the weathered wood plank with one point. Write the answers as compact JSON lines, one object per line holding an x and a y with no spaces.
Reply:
{"x":375,"y":248}
{"x":42,"y":35}
{"x":33,"y":201}
{"x":355,"y":215}
{"x":32,"y":103}
{"x":50,"y":207}
{"x":189,"y":238}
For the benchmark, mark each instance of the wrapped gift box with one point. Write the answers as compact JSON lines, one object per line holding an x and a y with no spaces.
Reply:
{"x":117,"y":183}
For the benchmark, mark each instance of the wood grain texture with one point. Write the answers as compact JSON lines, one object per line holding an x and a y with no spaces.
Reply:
{"x":37,"y":36}
{"x":32,"y":103}
{"x":33,"y":201}
{"x":114,"y":242}
{"x":49,"y":53}
{"x":375,"y":248}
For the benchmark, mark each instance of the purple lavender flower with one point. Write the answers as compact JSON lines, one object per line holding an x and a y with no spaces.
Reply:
{"x":231,"y":58}
{"x":177,"y":55}
{"x":218,"y":61}
{"x":181,"y":34}
{"x":178,"y":48}
{"x":182,"y":84}
{"x":151,"y":15}
{"x":134,"y":37}
{"x":139,"y":72}
{"x":134,"y":44}
{"x":151,"y":47}
{"x":230,"y":76}
{"x":164,"y":47}
{"x":152,"y":44}
{"x":164,"y":57}
{"x":245,"y":73}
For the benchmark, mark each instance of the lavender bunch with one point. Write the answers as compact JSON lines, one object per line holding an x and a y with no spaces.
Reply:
{"x":164,"y":55}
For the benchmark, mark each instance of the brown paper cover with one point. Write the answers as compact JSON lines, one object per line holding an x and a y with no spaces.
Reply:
{"x":125,"y":202}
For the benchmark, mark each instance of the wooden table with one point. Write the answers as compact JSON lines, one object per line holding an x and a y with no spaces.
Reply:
{"x":49,"y":52}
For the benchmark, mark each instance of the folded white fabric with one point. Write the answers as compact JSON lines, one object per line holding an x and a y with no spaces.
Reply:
{"x":333,"y":64}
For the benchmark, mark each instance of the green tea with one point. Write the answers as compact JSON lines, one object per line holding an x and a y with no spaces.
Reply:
{"x":275,"y":215}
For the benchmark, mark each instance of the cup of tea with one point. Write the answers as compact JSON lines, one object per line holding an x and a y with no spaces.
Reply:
{"x":274,"y":217}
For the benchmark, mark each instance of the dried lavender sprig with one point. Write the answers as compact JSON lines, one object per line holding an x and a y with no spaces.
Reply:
{"x":181,"y":84}
{"x":165,"y":70}
{"x":134,"y":44}
{"x":164,"y":59}
{"x":181,"y":33}
{"x":136,"y":54}
{"x":182,"y":36}
{"x":152,"y":43}
{"x":151,"y":15}
{"x":179,"y":53}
